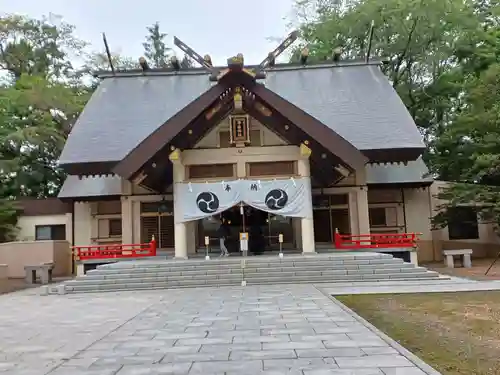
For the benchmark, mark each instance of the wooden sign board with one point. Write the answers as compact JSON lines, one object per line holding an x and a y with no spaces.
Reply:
{"x":239,"y":126}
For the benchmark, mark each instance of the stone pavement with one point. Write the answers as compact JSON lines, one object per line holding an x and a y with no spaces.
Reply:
{"x":455,"y":284}
{"x":293,"y":329}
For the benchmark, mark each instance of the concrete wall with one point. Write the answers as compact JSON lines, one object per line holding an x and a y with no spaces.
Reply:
{"x":27,"y":225}
{"x":17,"y":255}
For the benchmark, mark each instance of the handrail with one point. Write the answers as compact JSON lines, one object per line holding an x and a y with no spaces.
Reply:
{"x":375,"y":240}
{"x":115,"y":251}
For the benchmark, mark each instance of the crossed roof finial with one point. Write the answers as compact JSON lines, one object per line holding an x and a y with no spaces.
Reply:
{"x":238,"y":59}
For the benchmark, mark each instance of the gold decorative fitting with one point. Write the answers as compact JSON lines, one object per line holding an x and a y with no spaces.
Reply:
{"x":306,"y":142}
{"x":263,"y":109}
{"x":212,"y":111}
{"x":287,"y":127}
{"x":240,"y":57}
{"x":190,"y":132}
{"x":175,"y":155}
{"x":238,"y":99}
{"x":172,"y":148}
{"x":305,"y":151}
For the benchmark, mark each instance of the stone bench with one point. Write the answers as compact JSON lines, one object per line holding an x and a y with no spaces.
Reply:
{"x":44,"y":271}
{"x":464,"y":254}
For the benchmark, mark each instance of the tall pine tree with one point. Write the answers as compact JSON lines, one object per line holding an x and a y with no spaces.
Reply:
{"x":155,"y":48}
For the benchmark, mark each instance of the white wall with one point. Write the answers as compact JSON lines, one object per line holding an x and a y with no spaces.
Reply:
{"x":27,"y":225}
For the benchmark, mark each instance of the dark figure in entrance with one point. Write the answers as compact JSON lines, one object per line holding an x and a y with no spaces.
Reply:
{"x":257,"y":241}
{"x":223,"y":233}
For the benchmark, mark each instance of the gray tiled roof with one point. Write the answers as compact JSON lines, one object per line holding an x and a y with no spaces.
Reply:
{"x":125,"y":110}
{"x":415,"y":172}
{"x":357,"y":101}
{"x":102,"y":186}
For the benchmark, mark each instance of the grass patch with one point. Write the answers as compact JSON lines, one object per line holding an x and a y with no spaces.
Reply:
{"x":456,"y":333}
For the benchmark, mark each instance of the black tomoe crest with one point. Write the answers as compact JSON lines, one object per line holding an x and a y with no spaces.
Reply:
{"x":207,"y":202}
{"x":276,"y":199}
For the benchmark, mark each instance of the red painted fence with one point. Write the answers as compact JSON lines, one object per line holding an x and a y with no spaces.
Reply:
{"x":373,"y":241}
{"x":115,"y":251}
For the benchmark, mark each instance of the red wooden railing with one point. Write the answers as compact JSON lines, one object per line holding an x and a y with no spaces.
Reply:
{"x":115,"y":251}
{"x":372,"y":241}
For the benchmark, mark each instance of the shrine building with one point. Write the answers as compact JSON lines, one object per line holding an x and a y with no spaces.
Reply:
{"x":305,"y":150}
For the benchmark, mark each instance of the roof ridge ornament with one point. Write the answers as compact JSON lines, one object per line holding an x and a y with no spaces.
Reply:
{"x":237,"y":63}
{"x":204,"y":62}
{"x":270,"y":59}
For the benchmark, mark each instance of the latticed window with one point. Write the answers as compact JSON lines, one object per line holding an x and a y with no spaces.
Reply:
{"x":109,"y":207}
{"x":275,"y":168}
{"x":211,"y":171}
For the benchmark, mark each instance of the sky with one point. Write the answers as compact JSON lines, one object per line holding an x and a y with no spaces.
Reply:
{"x":221,"y":28}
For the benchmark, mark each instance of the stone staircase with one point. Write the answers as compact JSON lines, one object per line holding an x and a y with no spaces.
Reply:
{"x":237,"y":271}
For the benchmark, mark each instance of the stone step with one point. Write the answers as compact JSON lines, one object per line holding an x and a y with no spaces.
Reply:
{"x":265,"y":277}
{"x":202,"y":272}
{"x":237,"y":269}
{"x":209,"y":265}
{"x":228,"y":282}
{"x":336,"y":268}
{"x":330,"y":267}
{"x":250,"y":260}
{"x":260,"y":273}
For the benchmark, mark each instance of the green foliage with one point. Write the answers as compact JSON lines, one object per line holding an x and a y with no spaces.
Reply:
{"x":36,"y":117}
{"x":9,"y":215}
{"x":186,"y":62}
{"x":470,"y":148}
{"x":442,"y":57}
{"x":29,"y":46}
{"x":155,"y":48}
{"x":39,"y":102}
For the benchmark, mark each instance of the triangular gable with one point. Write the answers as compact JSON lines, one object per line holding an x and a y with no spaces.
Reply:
{"x":174,"y":127}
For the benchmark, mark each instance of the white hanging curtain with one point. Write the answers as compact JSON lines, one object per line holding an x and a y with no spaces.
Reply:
{"x":285,"y":197}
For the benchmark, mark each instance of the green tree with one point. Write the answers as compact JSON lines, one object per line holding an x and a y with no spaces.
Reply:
{"x":417,"y":39}
{"x":186,"y":62}
{"x":470,"y":148}
{"x":431,"y":48}
{"x":39,"y":101}
{"x":30,"y":46}
{"x":98,"y":61}
{"x":36,"y":117}
{"x":155,"y":48}
{"x":9,"y":215}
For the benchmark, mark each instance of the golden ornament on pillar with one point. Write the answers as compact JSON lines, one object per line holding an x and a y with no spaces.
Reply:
{"x":175,"y":155}
{"x":305,"y":151}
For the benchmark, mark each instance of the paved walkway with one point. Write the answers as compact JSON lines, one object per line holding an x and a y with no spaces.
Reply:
{"x":293,"y":329}
{"x":455,"y":284}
